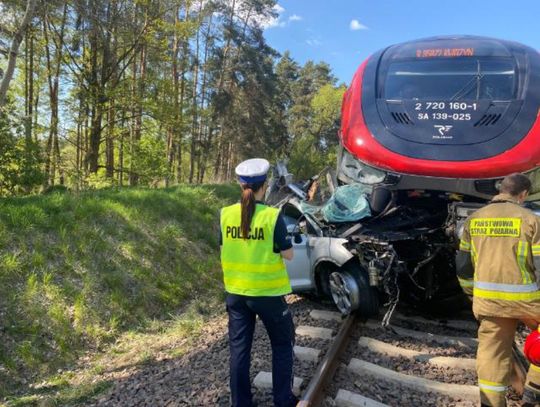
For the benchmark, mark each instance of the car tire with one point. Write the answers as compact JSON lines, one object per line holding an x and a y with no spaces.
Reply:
{"x":351,"y":292}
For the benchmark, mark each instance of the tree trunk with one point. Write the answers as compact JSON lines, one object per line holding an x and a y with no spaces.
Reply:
{"x":203,"y":155}
{"x":194,"y":139}
{"x":53,"y":79}
{"x":29,"y":84}
{"x":110,"y":58}
{"x":121,"y":151}
{"x":109,"y":142}
{"x":172,"y":138}
{"x":96,"y":110}
{"x":137,"y":125}
{"x":94,"y":138}
{"x":78,"y":150}
{"x":219,"y":89}
{"x":12,"y":59}
{"x":180,"y":104}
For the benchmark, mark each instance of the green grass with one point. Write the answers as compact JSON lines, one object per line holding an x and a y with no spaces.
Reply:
{"x":62,"y":393}
{"x":77,"y":271}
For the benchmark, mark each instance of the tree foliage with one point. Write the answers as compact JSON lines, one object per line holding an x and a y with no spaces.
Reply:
{"x":158,"y":92}
{"x":19,"y":158}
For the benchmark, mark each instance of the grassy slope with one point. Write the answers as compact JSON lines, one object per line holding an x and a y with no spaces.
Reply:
{"x":78,"y":270}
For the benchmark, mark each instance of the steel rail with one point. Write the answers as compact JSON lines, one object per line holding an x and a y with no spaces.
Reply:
{"x":314,"y":392}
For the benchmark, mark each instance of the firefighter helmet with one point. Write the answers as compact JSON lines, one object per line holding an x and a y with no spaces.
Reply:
{"x":532,"y":347}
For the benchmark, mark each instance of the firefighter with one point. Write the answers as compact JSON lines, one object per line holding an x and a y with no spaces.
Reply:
{"x":500,"y":247}
{"x":254,"y":243}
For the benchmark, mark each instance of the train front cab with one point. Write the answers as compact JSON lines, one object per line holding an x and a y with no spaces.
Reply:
{"x":455,"y":113}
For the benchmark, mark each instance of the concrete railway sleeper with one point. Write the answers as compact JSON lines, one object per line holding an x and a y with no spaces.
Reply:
{"x":364,"y":364}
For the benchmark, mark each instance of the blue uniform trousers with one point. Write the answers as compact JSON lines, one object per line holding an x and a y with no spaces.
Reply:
{"x":277,"y":319}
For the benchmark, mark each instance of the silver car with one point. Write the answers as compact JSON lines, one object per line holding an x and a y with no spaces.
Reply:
{"x":403,"y":250}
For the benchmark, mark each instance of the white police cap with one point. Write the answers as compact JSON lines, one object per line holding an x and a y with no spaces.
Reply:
{"x":253,"y":170}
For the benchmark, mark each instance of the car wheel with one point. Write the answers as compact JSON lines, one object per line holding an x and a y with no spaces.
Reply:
{"x":351,"y":292}
{"x":345,"y":291}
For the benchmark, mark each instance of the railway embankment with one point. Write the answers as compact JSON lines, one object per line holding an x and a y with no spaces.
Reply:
{"x":112,"y":271}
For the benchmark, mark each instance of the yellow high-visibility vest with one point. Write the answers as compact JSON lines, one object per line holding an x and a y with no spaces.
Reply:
{"x":250,"y":266}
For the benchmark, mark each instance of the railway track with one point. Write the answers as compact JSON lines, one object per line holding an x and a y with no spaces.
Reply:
{"x":415,"y":362}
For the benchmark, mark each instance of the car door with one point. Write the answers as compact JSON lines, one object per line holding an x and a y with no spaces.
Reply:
{"x":299,"y":268}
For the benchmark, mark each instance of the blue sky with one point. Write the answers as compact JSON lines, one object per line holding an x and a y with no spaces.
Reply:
{"x":345,"y":32}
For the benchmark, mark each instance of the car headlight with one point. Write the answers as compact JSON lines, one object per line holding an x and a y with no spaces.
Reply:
{"x":534,"y":177}
{"x":356,"y":171}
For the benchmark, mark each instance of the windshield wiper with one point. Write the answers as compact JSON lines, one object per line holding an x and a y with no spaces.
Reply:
{"x":467,"y":87}
{"x":475,"y":80}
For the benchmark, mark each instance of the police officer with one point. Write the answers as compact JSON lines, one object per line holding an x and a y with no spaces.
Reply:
{"x":254,"y":243}
{"x":500,"y":247}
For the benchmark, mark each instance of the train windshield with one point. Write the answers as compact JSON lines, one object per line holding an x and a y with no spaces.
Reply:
{"x":451,"y":79}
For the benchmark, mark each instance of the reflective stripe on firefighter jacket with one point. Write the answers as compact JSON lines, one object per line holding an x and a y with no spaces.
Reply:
{"x":250,"y":266}
{"x":503,"y":240}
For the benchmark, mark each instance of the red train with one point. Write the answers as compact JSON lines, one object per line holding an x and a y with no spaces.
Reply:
{"x":449,"y":113}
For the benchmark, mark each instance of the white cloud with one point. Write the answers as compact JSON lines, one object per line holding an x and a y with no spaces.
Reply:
{"x":278,"y":21}
{"x":278,"y":9}
{"x":357,"y":25}
{"x":313,"y":42}
{"x":273,"y":21}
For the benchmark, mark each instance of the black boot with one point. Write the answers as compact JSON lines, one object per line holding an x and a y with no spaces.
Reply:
{"x":530,"y":398}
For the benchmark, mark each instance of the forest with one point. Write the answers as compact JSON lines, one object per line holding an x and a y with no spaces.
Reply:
{"x":101,"y":93}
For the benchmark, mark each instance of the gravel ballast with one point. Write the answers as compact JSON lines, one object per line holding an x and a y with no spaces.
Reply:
{"x":200,"y":377}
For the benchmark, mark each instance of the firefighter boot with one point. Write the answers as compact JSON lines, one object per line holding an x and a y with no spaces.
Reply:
{"x":531,"y":393}
{"x":530,"y":399}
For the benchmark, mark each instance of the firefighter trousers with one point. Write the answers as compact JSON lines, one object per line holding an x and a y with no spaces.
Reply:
{"x":494,"y":360}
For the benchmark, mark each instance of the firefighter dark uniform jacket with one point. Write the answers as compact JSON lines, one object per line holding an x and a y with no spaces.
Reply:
{"x":503,"y":240}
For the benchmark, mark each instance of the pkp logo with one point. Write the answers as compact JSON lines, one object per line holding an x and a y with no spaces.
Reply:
{"x":443,"y":128}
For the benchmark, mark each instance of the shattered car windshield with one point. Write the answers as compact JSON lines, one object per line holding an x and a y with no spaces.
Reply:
{"x":348,"y":204}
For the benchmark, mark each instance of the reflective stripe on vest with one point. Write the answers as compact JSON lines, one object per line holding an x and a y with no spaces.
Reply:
{"x":522,"y":250}
{"x":510,"y":288}
{"x":474,"y":256}
{"x":466,"y":282}
{"x":466,"y":285}
{"x":508,"y":292}
{"x":250,"y":266}
{"x":464,"y":246}
{"x":535,"y":249}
